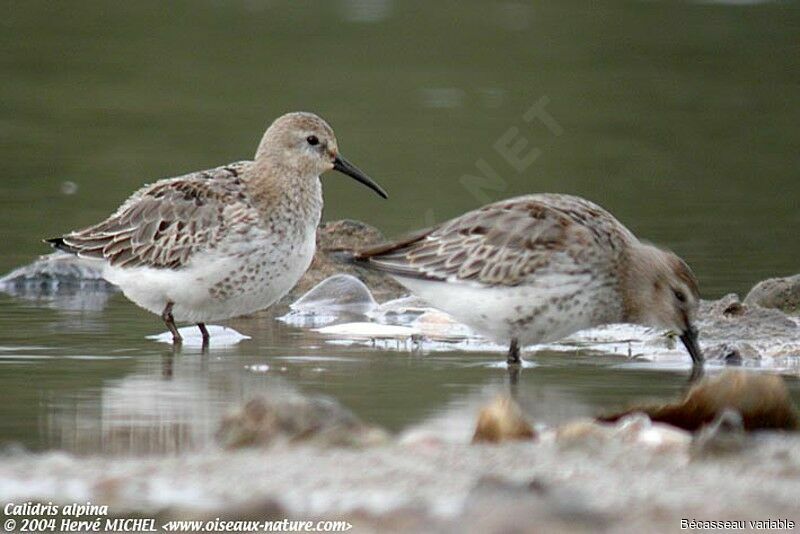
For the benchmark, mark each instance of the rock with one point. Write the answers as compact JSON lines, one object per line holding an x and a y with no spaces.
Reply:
{"x":53,"y":272}
{"x":727,"y":306}
{"x":500,"y":505}
{"x":290,"y":418}
{"x":634,"y":428}
{"x":727,"y":319}
{"x":724,"y":435}
{"x":762,"y":400}
{"x":639,"y":429}
{"x":779,"y":293}
{"x":734,"y":353}
{"x":502,"y":420}
{"x":61,"y":280}
{"x":338,"y":235}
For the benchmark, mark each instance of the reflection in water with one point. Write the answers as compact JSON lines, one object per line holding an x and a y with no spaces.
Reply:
{"x":179,"y":408}
{"x":164,"y":409}
{"x":137,"y":415}
{"x":513,"y":381}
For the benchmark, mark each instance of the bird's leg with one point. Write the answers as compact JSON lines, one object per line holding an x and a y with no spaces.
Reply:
{"x":513,"y":366}
{"x":169,"y":320}
{"x":513,"y":353}
{"x":204,"y":333}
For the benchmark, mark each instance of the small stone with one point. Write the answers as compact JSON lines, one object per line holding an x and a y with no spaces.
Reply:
{"x":582,"y":432}
{"x":724,"y":435}
{"x":733,"y":353}
{"x":632,"y":424}
{"x":502,"y":420}
{"x":727,"y":306}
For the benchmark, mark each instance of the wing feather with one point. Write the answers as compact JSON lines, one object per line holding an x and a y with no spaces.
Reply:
{"x":163,"y":224}
{"x":506,"y":243}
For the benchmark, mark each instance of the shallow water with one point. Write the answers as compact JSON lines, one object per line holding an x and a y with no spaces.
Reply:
{"x":688,"y":135}
{"x":90,"y":382}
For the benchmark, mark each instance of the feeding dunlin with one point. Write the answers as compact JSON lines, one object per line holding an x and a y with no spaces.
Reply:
{"x":224,"y":242}
{"x":537,"y":268}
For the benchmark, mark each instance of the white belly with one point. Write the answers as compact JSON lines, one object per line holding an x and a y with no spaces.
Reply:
{"x":554,"y":308}
{"x":235,"y":279}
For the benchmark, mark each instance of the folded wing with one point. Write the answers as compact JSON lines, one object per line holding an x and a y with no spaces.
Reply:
{"x":163,"y":224}
{"x":504,"y":243}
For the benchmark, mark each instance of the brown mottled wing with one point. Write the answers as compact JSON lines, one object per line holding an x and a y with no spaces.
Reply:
{"x":506,"y":242}
{"x":163,"y":224}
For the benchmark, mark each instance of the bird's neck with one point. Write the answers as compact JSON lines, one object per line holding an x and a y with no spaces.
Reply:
{"x":277,"y":190}
{"x":636,"y":262}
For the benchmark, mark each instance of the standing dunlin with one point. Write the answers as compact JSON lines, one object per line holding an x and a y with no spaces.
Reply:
{"x":537,"y":268}
{"x":224,"y":242}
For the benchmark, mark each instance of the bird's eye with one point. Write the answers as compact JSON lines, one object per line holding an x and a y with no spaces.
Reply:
{"x":680,"y":295}
{"x":313,"y":140}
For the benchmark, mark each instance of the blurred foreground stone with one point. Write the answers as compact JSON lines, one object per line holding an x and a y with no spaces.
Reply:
{"x":283,"y":419}
{"x":502,"y":420}
{"x":632,"y":476}
{"x":725,"y":435}
{"x":761,"y":400}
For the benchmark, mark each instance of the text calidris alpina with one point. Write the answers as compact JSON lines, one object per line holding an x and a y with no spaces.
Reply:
{"x":224,"y":242}
{"x":537,"y":268}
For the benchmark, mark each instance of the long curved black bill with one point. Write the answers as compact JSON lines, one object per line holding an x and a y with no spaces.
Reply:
{"x":342,"y":165}
{"x":689,"y":338}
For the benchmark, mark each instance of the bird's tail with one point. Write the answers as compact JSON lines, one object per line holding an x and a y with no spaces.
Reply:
{"x":347,"y":256}
{"x":60,"y":244}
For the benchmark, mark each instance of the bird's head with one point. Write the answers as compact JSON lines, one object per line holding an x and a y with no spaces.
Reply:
{"x":304,"y":145}
{"x":660,"y":290}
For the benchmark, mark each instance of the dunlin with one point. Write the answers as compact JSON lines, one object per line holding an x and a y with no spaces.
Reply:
{"x":536,"y":268}
{"x":223,"y":242}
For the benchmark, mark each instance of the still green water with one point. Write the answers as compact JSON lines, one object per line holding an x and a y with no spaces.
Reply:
{"x":681,"y":118}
